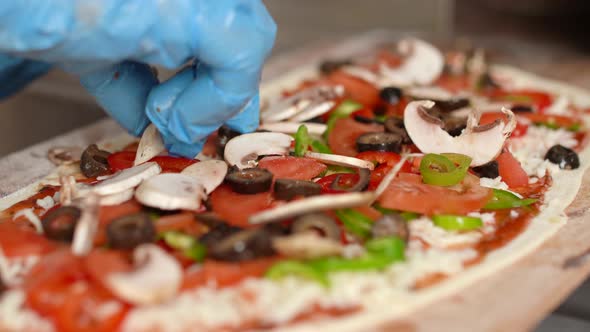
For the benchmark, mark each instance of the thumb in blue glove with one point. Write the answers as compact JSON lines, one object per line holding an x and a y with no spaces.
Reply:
{"x":108,"y":44}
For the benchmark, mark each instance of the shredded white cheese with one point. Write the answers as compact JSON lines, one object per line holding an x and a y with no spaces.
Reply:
{"x":13,"y":270}
{"x":45,"y":203}
{"x":15,"y":317}
{"x":424,"y":229}
{"x":559,"y":106}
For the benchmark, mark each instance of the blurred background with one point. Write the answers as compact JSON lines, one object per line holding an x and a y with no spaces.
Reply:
{"x":546,"y":36}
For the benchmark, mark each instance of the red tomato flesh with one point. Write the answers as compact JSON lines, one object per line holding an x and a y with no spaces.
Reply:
{"x":487,"y":118}
{"x":295,"y":168}
{"x":170,"y":164}
{"x":408,"y":193}
{"x":19,"y":240}
{"x":511,"y":171}
{"x":342,"y":138}
{"x":225,"y":274}
{"x":237,"y":208}
{"x":356,"y":89}
{"x":119,"y":161}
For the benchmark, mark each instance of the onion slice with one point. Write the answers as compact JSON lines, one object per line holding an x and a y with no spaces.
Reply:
{"x":312,"y":204}
{"x":339,"y":160}
{"x":291,"y":127}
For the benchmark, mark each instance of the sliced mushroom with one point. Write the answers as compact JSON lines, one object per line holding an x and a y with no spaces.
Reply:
{"x":312,"y":204}
{"x":307,"y":245}
{"x":319,"y":223}
{"x":481,"y":143}
{"x":422,"y":65}
{"x":117,"y":198}
{"x":87,"y":226}
{"x":243,"y":151}
{"x":156,"y":278}
{"x":150,"y":145}
{"x":391,"y":224}
{"x":445,"y":101}
{"x":171,"y":191}
{"x":305,"y":104}
{"x":210,"y":173}
{"x":334,"y":159}
{"x":128,"y":178}
{"x":292,"y":127}
{"x":64,"y":155}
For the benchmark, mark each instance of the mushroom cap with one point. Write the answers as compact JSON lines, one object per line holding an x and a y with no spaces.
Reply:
{"x":423,"y":64}
{"x":209,"y":173}
{"x":150,"y":145}
{"x":481,"y":143}
{"x":242,"y":151}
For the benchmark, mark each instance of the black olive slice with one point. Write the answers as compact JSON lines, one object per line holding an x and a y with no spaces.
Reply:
{"x":489,"y":170}
{"x":396,"y":125}
{"x":209,"y":219}
{"x":364,"y":119}
{"x":392,"y":224}
{"x":287,"y":189}
{"x":94,"y":162}
{"x":379,"y":142}
{"x":59,"y":224}
{"x":318,"y":222}
{"x":566,"y":158}
{"x":249,"y":180}
{"x":224,"y":134}
{"x":330,"y":66}
{"x":360,"y":185}
{"x":519,"y":108}
{"x":129,"y":231}
{"x":243,"y":245}
{"x":452,"y":104}
{"x":391,"y":95}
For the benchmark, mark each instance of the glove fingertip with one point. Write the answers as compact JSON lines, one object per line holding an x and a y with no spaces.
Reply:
{"x":248,"y":119}
{"x":186,"y":150}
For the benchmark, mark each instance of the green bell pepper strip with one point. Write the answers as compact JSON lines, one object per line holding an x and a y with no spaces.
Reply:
{"x":355,"y":222}
{"x":440,"y":169}
{"x":504,"y":199}
{"x":391,"y":248}
{"x":346,"y":108}
{"x":318,"y":146}
{"x":284,"y":269}
{"x":456,"y":223}
{"x":186,"y":244}
{"x":302,"y":141}
{"x":408,"y":216}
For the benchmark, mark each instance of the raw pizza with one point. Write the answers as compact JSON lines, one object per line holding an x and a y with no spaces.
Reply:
{"x":374,"y":186}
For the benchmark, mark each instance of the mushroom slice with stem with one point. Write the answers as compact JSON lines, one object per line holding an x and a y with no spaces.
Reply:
{"x":128,"y":178}
{"x":150,"y":145}
{"x":481,"y":143}
{"x":423,"y":64}
{"x":304,"y":105}
{"x":312,"y":204}
{"x":335,"y":159}
{"x":156,"y":278}
{"x":243,"y":151}
{"x":171,"y":191}
{"x":291,"y":127}
{"x":445,"y":101}
{"x":210,"y":173}
{"x":64,"y":155}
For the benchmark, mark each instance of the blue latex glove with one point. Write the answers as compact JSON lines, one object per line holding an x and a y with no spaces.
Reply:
{"x":109,"y":43}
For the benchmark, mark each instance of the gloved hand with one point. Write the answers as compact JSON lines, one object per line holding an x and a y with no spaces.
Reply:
{"x":109,"y":43}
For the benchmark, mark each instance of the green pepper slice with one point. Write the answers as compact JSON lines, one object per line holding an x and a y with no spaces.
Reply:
{"x":186,"y":244}
{"x":355,"y":222}
{"x":346,"y":108}
{"x":408,"y":216}
{"x":302,"y":141}
{"x":504,"y":199}
{"x":318,"y":146}
{"x":444,"y":169}
{"x":284,"y":269}
{"x":457,"y":223}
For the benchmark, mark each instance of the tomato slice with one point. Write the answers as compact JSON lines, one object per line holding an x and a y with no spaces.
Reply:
{"x":83,"y":310}
{"x":342,"y":138}
{"x":237,"y":208}
{"x":356,"y":89}
{"x":510,"y":170}
{"x":453,"y":83}
{"x":101,"y":263}
{"x":408,"y":193}
{"x":537,"y":98}
{"x":119,"y":161}
{"x":487,"y":118}
{"x":184,"y":222}
{"x":224,"y":274}
{"x":292,"y":167}
{"x":111,"y":212}
{"x":19,"y":241}
{"x":345,"y":180}
{"x":171,"y":164}
{"x":560,"y":121}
